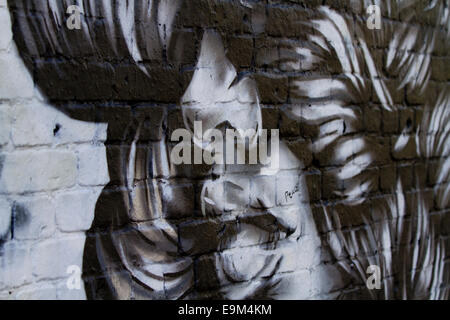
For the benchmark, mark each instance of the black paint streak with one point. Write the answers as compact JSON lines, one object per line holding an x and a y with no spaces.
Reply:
{"x":56,"y":129}
{"x":20,"y":216}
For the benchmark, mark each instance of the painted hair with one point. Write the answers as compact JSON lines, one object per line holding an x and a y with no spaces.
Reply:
{"x":393,"y":232}
{"x":109,"y":29}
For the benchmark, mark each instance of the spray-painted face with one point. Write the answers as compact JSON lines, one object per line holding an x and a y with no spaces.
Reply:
{"x":216,"y":97}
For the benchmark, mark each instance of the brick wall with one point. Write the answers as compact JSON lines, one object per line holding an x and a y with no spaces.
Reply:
{"x":53,"y":170}
{"x":64,"y":130}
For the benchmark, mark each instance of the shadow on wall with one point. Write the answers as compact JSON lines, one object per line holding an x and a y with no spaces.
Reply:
{"x":148,"y":67}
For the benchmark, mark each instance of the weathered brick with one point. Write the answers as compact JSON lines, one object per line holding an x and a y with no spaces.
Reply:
{"x":270,"y":118}
{"x":92,"y":165}
{"x":202,"y":236}
{"x":15,"y":262}
{"x":409,"y":151}
{"x":267,"y":53}
{"x":34,"y":218}
{"x":272,"y":89}
{"x":50,"y":259}
{"x":178,"y":200}
{"x":75,"y":210}
{"x":5,"y":219}
{"x":5,"y":24}
{"x":6,"y":118}
{"x":41,"y":291}
{"x":440,"y":69}
{"x":15,"y":81}
{"x":301,"y":280}
{"x":289,"y":127}
{"x":285,"y":21}
{"x":390,"y":121}
{"x":405,"y":173}
{"x":64,"y":293}
{"x":313,"y":181}
{"x":28,"y":171}
{"x":152,"y":118}
{"x":240,"y":51}
{"x":328,"y":278}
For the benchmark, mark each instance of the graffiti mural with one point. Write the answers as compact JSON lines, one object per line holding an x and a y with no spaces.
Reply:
{"x":301,"y":86}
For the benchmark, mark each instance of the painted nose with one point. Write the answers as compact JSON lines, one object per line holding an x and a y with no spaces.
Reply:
{"x":216,"y":96}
